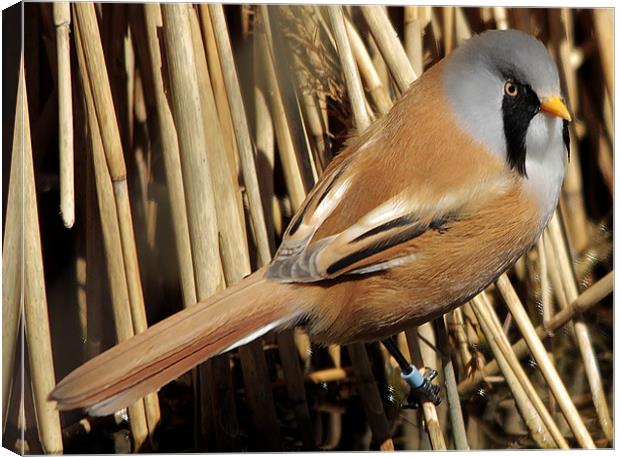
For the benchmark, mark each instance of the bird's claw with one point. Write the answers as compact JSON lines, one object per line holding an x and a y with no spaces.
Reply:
{"x":426,"y":392}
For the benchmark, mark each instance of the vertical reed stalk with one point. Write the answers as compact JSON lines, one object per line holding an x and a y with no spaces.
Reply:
{"x":292,"y":175}
{"x":62,"y":21}
{"x":233,"y":247}
{"x":281,"y":56}
{"x":454,"y":402}
{"x":456,"y":325}
{"x":463,"y":31}
{"x":265,"y":158}
{"x":429,"y":410}
{"x":13,"y":256}
{"x":367,"y":70}
{"x":106,"y":118}
{"x":604,"y":29}
{"x":219,"y":90}
{"x":448,"y":28}
{"x":35,"y":299}
{"x":513,"y":374}
{"x":546,"y":367}
{"x":500,"y":16}
{"x":313,"y":116}
{"x":187,"y":113}
{"x":233,"y":250}
{"x":413,"y":37}
{"x":581,"y":331}
{"x":349,"y":68}
{"x":111,"y":236}
{"x":561,"y":35}
{"x":295,"y":387}
{"x":369,"y":392}
{"x":95,"y":270}
{"x":554,"y":274}
{"x":390,"y":46}
{"x":546,"y":301}
{"x":146,"y":27}
{"x":242,"y":130}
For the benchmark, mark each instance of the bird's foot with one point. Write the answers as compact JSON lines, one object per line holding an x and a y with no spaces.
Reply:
{"x":427,"y":391}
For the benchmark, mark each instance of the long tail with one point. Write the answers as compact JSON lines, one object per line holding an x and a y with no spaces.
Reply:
{"x":144,"y":363}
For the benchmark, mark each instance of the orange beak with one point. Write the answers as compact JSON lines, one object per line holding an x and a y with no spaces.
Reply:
{"x":555,"y":106}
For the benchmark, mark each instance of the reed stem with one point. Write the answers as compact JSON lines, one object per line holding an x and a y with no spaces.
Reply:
{"x":589,"y":298}
{"x":349,"y":68}
{"x":546,"y":367}
{"x":454,"y":402}
{"x":151,"y":64}
{"x":35,"y":298}
{"x":429,"y":410}
{"x":62,"y":21}
{"x":513,"y":374}
{"x":13,"y":256}
{"x":106,"y":118}
{"x":295,"y":186}
{"x":367,"y":70}
{"x":219,"y":90}
{"x":390,"y":46}
{"x":582,"y":334}
{"x":111,"y":234}
{"x":242,"y":130}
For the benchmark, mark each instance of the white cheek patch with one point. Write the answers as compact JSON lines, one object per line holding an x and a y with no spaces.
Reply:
{"x":545,"y":162}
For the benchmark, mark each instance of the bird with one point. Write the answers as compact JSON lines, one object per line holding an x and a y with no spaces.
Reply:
{"x":415,"y":216}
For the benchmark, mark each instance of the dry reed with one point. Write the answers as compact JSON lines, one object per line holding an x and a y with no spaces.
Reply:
{"x":35,"y":312}
{"x":559,"y":390}
{"x":12,"y":261}
{"x":62,"y":21}
{"x":225,"y":117}
{"x":111,"y":237}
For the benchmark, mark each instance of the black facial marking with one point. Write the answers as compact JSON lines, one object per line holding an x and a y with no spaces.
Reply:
{"x":566,"y":137}
{"x":517,"y":112}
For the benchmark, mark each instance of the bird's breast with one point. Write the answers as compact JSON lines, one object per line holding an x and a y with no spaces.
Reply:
{"x":448,"y":269}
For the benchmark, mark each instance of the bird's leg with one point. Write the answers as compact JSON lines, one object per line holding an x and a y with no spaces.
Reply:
{"x":421,"y":385}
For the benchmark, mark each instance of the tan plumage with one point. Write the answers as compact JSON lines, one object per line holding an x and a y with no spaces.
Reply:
{"x":413,"y":218}
{"x":169,"y":348}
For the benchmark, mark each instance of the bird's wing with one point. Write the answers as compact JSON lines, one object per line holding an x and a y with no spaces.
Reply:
{"x":355,"y":223}
{"x":412,"y":172}
{"x":376,"y":240}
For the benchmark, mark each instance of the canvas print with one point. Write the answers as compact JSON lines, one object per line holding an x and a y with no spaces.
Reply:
{"x":279,"y":228}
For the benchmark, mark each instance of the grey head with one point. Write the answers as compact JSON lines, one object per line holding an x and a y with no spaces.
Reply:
{"x":504,"y":89}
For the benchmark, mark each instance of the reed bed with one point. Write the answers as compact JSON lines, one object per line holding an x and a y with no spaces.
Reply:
{"x":178,"y":140}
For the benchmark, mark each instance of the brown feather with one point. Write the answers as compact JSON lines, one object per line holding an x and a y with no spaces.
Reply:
{"x":451,"y":266}
{"x":171,"y":347}
{"x":418,"y":151}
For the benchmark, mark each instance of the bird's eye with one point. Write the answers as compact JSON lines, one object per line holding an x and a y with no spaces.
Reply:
{"x":511,"y":89}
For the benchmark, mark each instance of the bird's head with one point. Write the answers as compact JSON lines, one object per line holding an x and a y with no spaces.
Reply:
{"x":505,"y":91}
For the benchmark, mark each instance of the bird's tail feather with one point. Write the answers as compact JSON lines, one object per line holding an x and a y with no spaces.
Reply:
{"x":144,"y":363}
